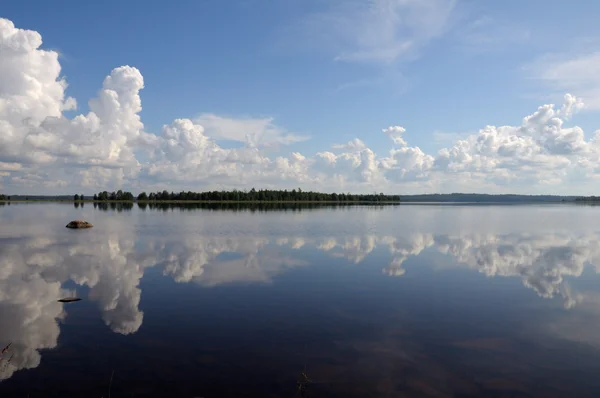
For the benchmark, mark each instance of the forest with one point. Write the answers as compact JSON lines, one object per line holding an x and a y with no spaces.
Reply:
{"x":298,"y":195}
{"x":253,"y":195}
{"x":118,"y":195}
{"x":267,"y":195}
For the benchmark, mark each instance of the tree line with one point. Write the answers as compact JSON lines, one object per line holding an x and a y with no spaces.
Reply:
{"x":118,"y":195}
{"x":588,"y":199}
{"x":253,"y":195}
{"x":266,"y":195}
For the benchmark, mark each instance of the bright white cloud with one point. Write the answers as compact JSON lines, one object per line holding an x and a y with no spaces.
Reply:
{"x":108,"y":148}
{"x":395,"y":133}
{"x":356,"y":145}
{"x":253,"y":132}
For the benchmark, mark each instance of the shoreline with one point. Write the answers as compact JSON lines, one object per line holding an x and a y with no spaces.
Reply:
{"x":196,"y":201}
{"x":328,"y":202}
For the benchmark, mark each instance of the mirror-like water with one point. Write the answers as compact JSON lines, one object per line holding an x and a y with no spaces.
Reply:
{"x":400,"y":301}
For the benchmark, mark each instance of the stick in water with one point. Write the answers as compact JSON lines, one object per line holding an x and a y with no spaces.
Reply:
{"x":110,"y":384}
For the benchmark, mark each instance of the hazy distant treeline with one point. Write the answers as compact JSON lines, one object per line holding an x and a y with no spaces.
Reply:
{"x":252,"y":195}
{"x":588,"y":199}
{"x":486,"y":198}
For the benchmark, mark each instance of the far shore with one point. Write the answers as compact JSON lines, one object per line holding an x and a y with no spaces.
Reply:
{"x":312,"y":202}
{"x":195,"y":201}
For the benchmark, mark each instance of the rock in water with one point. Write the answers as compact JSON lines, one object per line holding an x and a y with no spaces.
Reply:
{"x":79,"y":224}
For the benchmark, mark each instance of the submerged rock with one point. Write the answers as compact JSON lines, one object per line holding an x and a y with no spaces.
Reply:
{"x":79,"y":224}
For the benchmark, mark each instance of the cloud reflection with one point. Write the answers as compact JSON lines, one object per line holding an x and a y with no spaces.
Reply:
{"x":28,"y":310}
{"x":34,"y":269}
{"x":202,"y":260}
{"x":543,"y":262}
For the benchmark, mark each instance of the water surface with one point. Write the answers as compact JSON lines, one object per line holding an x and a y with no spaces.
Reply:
{"x":398,"y":301}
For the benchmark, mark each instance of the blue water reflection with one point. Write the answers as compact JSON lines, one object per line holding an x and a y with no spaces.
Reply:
{"x":402,"y":301}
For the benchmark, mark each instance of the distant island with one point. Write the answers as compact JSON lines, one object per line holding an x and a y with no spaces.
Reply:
{"x":486,"y":198}
{"x":299,"y":195}
{"x":253,"y":195}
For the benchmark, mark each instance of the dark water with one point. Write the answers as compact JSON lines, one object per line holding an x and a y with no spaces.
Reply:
{"x":404,"y":301}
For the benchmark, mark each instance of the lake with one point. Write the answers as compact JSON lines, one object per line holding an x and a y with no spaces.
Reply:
{"x":393,"y":301}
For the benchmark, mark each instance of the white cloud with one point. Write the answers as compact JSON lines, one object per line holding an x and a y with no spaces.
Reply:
{"x":41,"y":150}
{"x":395,"y":133}
{"x":573,"y":73}
{"x":380,"y":31}
{"x":253,"y":132}
{"x":351,"y":146}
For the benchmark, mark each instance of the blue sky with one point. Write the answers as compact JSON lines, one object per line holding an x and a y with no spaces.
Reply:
{"x":329,"y":70}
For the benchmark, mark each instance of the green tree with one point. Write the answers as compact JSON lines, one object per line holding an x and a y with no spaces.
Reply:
{"x":76,"y":197}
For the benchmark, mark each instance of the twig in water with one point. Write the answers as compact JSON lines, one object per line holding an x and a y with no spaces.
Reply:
{"x":110,"y":384}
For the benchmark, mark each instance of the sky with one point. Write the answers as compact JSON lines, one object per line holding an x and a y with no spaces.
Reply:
{"x":394,"y":96}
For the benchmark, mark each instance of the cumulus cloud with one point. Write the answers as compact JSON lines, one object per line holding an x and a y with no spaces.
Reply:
{"x":109,"y":148}
{"x":395,"y":133}
{"x":351,"y":146}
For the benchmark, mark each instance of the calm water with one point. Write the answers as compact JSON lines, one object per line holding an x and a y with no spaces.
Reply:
{"x":404,"y":301}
